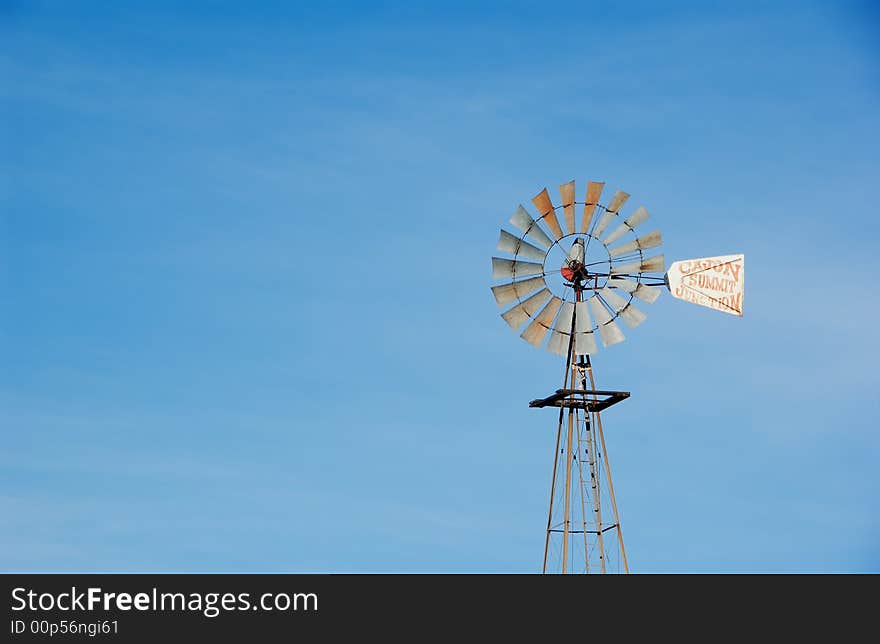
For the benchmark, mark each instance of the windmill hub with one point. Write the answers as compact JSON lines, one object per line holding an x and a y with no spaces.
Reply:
{"x":580,"y":265}
{"x":573,"y":268}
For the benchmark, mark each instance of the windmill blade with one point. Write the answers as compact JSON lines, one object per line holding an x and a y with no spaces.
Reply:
{"x":566,"y":191}
{"x":653,"y":264}
{"x":507,"y":293}
{"x":645,"y":293}
{"x":632,"y":316}
{"x":582,"y":321}
{"x":558,"y":343}
{"x":608,"y":330}
{"x":560,"y":338}
{"x":512,"y":244}
{"x":623,"y":307}
{"x":534,"y":334}
{"x":526,"y":309}
{"x":602,"y":224}
{"x":610,"y":212}
{"x":617,"y":200}
{"x":585,"y":344}
{"x":523,"y":220}
{"x":649,"y":265}
{"x":600,"y":313}
{"x":630,"y":223}
{"x":594,"y":192}
{"x":651,"y":240}
{"x":611,"y":334}
{"x":563,"y":322}
{"x":511,"y":268}
{"x":545,"y":208}
{"x":714,"y":282}
{"x":613,"y":300}
{"x":584,"y":340}
{"x":537,"y":330}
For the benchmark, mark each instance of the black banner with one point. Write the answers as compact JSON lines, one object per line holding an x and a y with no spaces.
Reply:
{"x":150,"y":607}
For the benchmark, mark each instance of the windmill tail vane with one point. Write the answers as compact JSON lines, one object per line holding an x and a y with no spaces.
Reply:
{"x":567,"y":288}
{"x":714,"y":282}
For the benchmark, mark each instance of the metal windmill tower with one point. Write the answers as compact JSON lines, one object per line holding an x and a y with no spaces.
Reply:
{"x":567,"y":287}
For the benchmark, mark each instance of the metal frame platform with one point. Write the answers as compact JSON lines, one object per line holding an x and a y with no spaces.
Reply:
{"x":581,"y":399}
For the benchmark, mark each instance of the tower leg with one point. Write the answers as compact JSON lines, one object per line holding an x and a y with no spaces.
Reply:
{"x":601,"y":432}
{"x":568,"y":461}
{"x":552,"y":491}
{"x":595,"y":494}
{"x":556,"y":456}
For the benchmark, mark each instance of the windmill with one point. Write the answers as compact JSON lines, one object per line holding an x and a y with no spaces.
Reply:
{"x":567,"y":289}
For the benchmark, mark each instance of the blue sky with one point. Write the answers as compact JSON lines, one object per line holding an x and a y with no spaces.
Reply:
{"x":244,"y":273}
